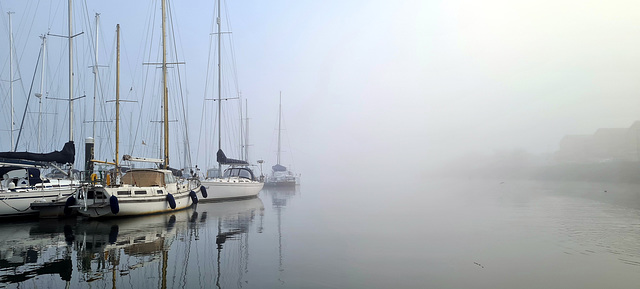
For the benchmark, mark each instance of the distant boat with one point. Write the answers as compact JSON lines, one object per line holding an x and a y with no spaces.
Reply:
{"x":238,"y":180}
{"x":140,"y":191}
{"x":280,"y":175}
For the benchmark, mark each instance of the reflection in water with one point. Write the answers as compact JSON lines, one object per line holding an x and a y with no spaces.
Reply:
{"x":155,"y":251}
{"x":31,"y":249}
{"x":108,"y":248}
{"x":457,"y":235}
{"x":279,"y":197}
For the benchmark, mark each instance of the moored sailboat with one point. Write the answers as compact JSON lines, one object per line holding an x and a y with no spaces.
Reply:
{"x":22,"y":184}
{"x":280,"y":175}
{"x":145,"y":190}
{"x":238,"y":180}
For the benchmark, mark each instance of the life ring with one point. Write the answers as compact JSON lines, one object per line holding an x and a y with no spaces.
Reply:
{"x":94,"y":178}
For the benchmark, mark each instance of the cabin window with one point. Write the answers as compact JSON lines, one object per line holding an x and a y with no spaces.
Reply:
{"x":238,"y":172}
{"x":160,"y":192}
{"x":140,"y":192}
{"x":169,"y":179}
{"x":95,"y":195}
{"x":124,"y":193}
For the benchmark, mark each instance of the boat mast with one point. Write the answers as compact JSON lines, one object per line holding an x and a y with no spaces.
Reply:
{"x":117,"y":94}
{"x":70,"y":75}
{"x":242,"y":140}
{"x":246,"y":131}
{"x":11,"y":75}
{"x":164,"y":85}
{"x":95,"y":78}
{"x":44,"y":55}
{"x":279,"y":127}
{"x":219,"y":89}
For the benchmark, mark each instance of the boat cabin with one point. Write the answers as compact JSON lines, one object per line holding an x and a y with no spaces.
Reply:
{"x":240,"y":172}
{"x":148,"y":178}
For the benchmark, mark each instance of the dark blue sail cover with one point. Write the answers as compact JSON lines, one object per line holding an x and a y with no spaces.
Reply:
{"x":223,"y":160}
{"x":66,"y":156}
{"x":279,"y":168}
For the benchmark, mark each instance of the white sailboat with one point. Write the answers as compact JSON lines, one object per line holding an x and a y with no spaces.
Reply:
{"x":21,"y":183}
{"x":238,"y":180}
{"x":140,"y":191}
{"x":280,"y":175}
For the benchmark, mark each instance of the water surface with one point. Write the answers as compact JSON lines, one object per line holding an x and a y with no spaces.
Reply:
{"x":375,"y":234}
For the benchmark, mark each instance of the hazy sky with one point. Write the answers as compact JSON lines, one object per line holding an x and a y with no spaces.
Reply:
{"x":400,"y":82}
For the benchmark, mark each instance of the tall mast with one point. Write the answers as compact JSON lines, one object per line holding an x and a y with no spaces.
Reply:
{"x":219,"y":88}
{"x":44,"y":55}
{"x":95,"y":78}
{"x":246,"y":131}
{"x":279,"y":127}
{"x":11,"y":75}
{"x":70,"y":75}
{"x":117,"y":93}
{"x":164,"y":85}
{"x":242,"y":144}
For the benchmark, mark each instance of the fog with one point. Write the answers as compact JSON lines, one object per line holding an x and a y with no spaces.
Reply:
{"x":373,"y":87}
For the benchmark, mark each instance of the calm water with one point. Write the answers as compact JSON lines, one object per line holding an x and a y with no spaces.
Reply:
{"x":370,"y":234}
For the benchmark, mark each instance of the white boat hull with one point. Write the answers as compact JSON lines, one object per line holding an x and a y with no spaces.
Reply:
{"x":18,"y":203}
{"x":136,"y":206}
{"x":229,"y":189}
{"x":98,"y":201}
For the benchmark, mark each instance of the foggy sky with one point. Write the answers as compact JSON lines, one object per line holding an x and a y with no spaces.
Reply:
{"x":391,"y":83}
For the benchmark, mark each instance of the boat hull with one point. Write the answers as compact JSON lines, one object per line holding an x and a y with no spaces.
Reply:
{"x":130,"y":202}
{"x":18,"y":203}
{"x":135,"y":207}
{"x":284,"y":183}
{"x":230,"y":189}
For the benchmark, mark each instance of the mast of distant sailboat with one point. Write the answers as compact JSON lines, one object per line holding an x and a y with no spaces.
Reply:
{"x":279,"y":127}
{"x":219,"y":88}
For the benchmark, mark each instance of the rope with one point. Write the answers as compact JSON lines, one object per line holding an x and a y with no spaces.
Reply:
{"x":10,"y":206}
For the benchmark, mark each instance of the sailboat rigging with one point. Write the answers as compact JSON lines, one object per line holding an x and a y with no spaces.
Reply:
{"x":21,"y":183}
{"x":280,"y":175}
{"x":140,"y":191}
{"x":238,"y":180}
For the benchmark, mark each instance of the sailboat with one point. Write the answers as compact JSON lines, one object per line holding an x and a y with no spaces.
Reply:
{"x":280,"y":175}
{"x":140,"y":191}
{"x":238,"y":180}
{"x":21,"y":183}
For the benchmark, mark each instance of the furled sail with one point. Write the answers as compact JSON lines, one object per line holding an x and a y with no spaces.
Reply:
{"x":67,"y":155}
{"x":223,"y":160}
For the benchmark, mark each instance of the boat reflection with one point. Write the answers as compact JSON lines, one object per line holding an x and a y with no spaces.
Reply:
{"x":34,"y":248}
{"x":279,"y":198}
{"x":108,"y":248}
{"x":123,"y":251}
{"x":194,"y":248}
